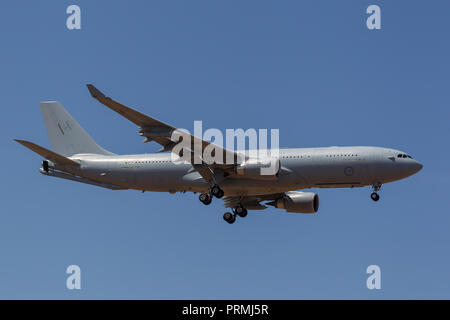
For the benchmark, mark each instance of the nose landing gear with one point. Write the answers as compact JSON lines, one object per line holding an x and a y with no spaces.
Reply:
{"x":375,"y":196}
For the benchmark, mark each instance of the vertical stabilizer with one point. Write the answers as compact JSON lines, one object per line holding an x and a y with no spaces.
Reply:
{"x":66,"y":136}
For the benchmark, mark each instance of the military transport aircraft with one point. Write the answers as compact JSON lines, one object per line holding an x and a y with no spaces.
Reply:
{"x":75,"y":156}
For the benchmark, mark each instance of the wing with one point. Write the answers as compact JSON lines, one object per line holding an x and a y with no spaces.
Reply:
{"x":160,"y":132}
{"x":250,"y":202}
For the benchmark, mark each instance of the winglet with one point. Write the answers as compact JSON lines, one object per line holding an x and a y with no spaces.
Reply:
{"x":95,"y":93}
{"x":48,"y":154}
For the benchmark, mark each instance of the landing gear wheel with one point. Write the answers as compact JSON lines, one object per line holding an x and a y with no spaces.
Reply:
{"x":375,"y":196}
{"x":205,"y":198}
{"x":216,"y":191}
{"x":241,"y":211}
{"x":229,"y":217}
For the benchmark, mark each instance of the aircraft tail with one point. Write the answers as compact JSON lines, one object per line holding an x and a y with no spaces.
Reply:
{"x":66,"y":136}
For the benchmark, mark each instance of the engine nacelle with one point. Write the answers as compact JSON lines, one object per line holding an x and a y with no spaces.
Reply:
{"x":261,"y":169}
{"x":298,"y":202}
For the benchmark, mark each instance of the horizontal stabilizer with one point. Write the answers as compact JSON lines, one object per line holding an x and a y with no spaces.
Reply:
{"x":48,"y":154}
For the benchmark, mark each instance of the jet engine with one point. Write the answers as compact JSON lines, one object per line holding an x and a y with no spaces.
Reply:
{"x":261,"y":169}
{"x":298,"y":202}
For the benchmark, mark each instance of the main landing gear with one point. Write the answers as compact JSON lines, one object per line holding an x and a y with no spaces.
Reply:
{"x":376,"y":187}
{"x":216,"y":191}
{"x":229,"y":217}
{"x":238,"y":211}
{"x":205,"y":198}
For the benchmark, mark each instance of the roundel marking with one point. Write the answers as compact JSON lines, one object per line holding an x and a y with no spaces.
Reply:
{"x":348,"y":171}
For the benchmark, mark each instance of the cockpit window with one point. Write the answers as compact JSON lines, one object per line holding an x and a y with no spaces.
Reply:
{"x":404,"y":155}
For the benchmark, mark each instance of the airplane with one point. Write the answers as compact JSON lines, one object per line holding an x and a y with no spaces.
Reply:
{"x":76,"y":156}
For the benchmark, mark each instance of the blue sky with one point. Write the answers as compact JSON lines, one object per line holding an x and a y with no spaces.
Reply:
{"x":310,"y":68}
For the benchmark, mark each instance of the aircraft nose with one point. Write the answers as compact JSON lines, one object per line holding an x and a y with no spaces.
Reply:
{"x":416,"y":166}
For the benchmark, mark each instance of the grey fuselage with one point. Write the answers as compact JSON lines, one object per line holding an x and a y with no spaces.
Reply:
{"x":328,"y":167}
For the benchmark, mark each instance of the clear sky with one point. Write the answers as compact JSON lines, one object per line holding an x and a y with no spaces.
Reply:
{"x":310,"y":68}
